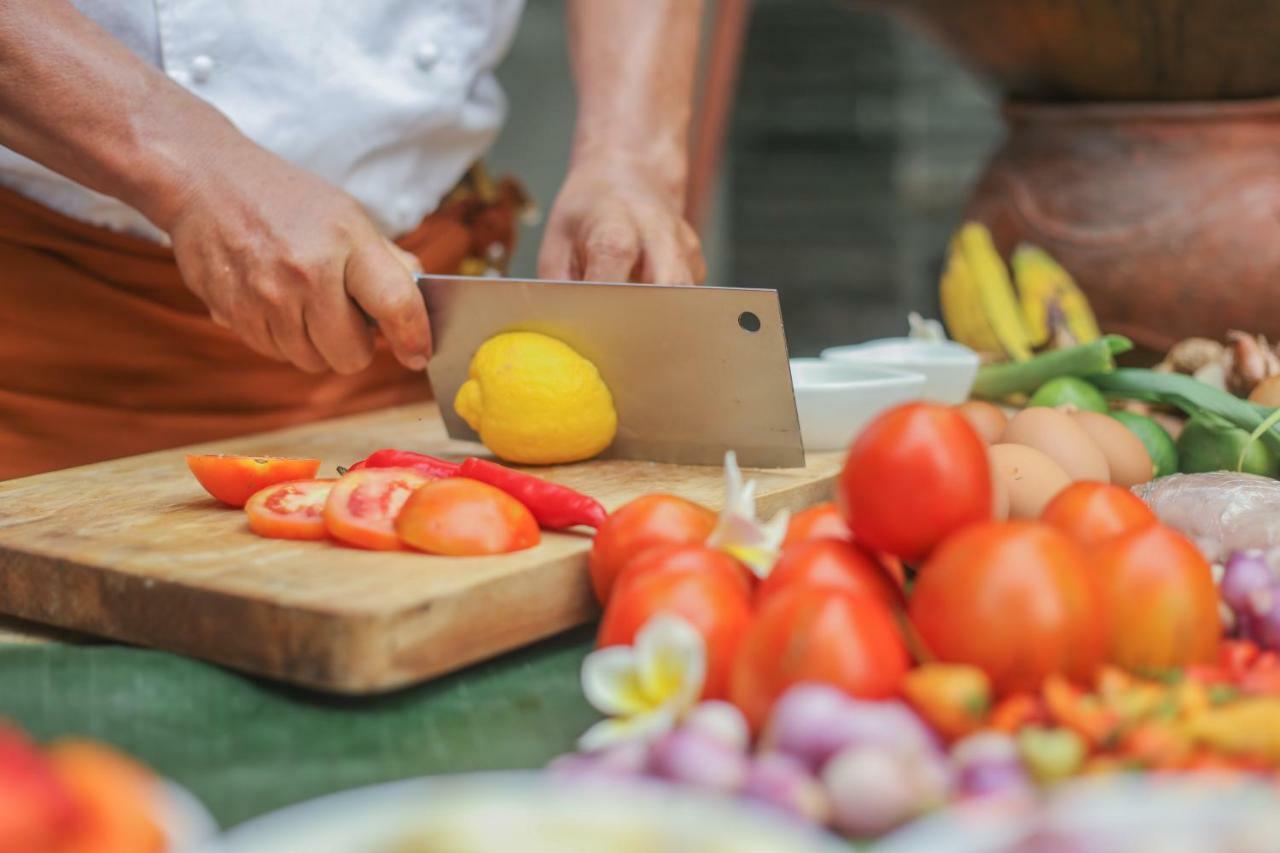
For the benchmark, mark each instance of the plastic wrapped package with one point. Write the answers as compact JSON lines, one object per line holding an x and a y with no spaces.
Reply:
{"x":1221,"y":512}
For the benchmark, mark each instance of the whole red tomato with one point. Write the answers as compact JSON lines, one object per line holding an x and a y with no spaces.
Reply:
{"x":702,"y":585}
{"x":823,"y":521}
{"x":916,"y":474}
{"x":1015,"y":599}
{"x":688,"y":558}
{"x":848,"y":640}
{"x":829,"y":563}
{"x":1091,"y":513}
{"x":1160,"y":599}
{"x":642,"y":524}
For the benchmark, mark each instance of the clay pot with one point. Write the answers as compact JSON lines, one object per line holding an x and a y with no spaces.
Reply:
{"x":1167,"y":215}
{"x":1109,"y":49}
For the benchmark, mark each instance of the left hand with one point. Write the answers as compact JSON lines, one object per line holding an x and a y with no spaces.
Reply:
{"x":617,"y":222}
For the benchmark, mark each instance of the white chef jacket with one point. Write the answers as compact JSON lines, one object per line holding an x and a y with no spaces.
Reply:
{"x":391,"y":100}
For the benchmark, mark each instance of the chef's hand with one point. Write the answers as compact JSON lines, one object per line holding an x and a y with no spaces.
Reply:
{"x":616,"y":221}
{"x":288,"y":263}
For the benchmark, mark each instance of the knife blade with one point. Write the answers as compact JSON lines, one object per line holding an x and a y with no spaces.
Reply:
{"x":694,"y":371}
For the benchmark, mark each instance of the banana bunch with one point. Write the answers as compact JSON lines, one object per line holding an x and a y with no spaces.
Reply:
{"x":983,"y":311}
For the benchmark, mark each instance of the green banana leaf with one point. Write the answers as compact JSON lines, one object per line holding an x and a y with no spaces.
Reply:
{"x":245,"y":747}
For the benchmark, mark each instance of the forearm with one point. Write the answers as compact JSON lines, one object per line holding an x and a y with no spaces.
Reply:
{"x":634,"y":64}
{"x":76,"y":100}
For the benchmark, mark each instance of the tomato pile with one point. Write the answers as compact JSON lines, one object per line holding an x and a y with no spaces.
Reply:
{"x":1087,"y":639}
{"x":397,"y":499}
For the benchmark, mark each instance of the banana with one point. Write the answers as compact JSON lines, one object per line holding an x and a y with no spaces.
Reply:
{"x":1054,"y":310}
{"x":962,"y":307}
{"x":995,"y":290}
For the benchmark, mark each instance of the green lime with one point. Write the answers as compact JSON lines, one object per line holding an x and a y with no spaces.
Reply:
{"x":1212,"y":444}
{"x":1160,"y":446}
{"x":1070,"y":391}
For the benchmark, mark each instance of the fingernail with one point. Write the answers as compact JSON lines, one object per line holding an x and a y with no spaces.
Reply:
{"x":417,"y":362}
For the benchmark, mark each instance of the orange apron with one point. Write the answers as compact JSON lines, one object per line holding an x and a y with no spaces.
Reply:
{"x":104,"y":353}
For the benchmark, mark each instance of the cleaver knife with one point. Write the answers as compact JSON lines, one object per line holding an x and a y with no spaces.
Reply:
{"x":694,"y":371}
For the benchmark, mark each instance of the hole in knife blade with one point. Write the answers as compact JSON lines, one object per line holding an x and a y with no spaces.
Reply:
{"x":749,"y":321}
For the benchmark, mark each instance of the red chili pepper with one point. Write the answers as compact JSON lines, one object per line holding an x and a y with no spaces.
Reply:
{"x":556,"y":507}
{"x":429,"y":466}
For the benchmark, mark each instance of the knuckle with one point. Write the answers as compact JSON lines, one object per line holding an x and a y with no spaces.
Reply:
{"x":353,"y":361}
{"x":612,"y":241}
{"x":275,"y":296}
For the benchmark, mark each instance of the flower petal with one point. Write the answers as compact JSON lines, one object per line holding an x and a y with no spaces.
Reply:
{"x":671,"y":659}
{"x":611,"y":682}
{"x":643,"y":727}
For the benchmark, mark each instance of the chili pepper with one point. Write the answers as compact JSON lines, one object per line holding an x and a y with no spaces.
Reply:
{"x":1248,"y":728}
{"x":426,"y":465}
{"x":1018,"y":710}
{"x":1082,"y":713}
{"x":1129,"y":698}
{"x":1260,"y":681}
{"x":1238,"y":656}
{"x":556,"y":507}
{"x":1155,"y":743}
{"x":952,"y":698}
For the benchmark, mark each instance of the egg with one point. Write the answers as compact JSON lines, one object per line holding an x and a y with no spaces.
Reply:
{"x":1030,"y":478}
{"x":1127,"y":457}
{"x":999,"y":492}
{"x":1057,"y":435}
{"x":988,"y":419}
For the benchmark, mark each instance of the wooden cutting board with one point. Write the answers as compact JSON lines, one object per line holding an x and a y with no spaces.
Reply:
{"x":133,"y":549}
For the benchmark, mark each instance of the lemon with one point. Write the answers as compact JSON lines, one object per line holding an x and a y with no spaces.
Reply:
{"x":533,"y":400}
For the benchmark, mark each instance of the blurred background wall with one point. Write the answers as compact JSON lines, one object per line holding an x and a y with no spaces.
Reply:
{"x":851,"y":150}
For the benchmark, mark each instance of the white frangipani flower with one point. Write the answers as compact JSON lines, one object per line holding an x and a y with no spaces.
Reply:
{"x":738,"y":532}
{"x":644,"y":689}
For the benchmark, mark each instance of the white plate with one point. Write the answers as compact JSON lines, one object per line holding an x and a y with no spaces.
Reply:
{"x":949,"y":368}
{"x":528,"y":812}
{"x":836,"y":400}
{"x":1108,"y":814}
{"x":185,"y":822}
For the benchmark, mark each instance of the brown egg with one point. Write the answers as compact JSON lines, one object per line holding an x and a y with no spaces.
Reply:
{"x":1030,"y":478}
{"x":1127,"y":457}
{"x":1266,"y":392}
{"x":999,"y":492}
{"x":1056,"y":434}
{"x":987,"y":418}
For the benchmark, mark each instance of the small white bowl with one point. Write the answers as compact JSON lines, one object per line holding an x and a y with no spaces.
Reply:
{"x":836,"y":400}
{"x":949,"y":368}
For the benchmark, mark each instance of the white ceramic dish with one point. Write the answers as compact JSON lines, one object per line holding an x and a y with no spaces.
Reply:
{"x":949,"y":368}
{"x":527,"y":811}
{"x":835,"y":400}
{"x":1108,"y":813}
{"x":182,"y":818}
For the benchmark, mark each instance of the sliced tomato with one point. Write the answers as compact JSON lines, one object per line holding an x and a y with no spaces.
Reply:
{"x":362,"y":507}
{"x":290,"y":510}
{"x":235,"y":479}
{"x":459,"y":517}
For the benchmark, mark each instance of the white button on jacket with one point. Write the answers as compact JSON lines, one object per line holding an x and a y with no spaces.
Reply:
{"x":391,"y":101}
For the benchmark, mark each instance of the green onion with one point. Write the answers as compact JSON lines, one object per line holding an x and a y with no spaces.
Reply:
{"x":1191,"y":396}
{"x":998,"y":381}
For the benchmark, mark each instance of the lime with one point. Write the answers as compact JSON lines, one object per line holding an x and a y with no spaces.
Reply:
{"x":1160,"y":446}
{"x":1070,"y":391}
{"x":1212,"y":444}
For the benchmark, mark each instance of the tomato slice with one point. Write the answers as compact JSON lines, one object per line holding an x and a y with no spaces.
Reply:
{"x":235,"y":479}
{"x":363,"y":505}
{"x":459,"y":517}
{"x":290,"y":510}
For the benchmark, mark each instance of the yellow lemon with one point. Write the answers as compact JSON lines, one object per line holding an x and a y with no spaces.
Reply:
{"x":533,"y":400}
